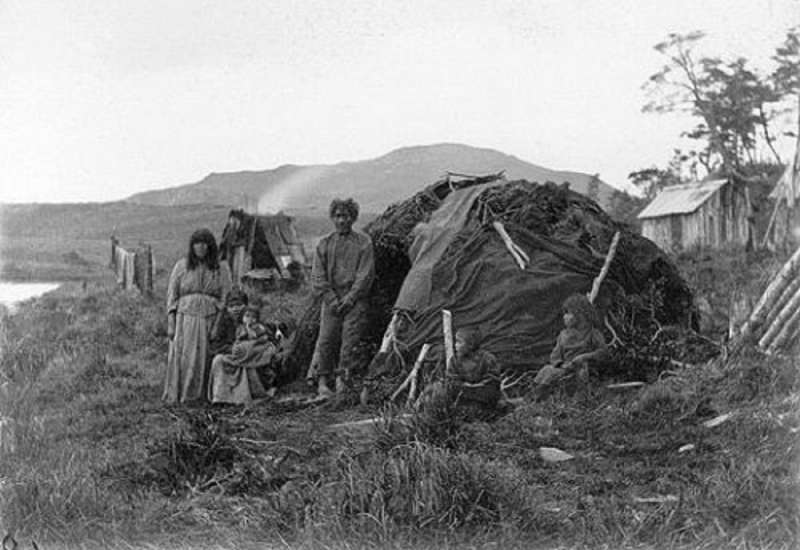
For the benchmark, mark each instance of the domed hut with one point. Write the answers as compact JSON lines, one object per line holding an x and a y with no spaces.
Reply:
{"x":441,"y":249}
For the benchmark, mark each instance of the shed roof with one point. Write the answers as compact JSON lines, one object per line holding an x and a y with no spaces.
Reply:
{"x":681,"y":199}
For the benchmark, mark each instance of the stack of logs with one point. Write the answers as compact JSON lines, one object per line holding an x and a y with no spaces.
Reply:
{"x":775,"y":320}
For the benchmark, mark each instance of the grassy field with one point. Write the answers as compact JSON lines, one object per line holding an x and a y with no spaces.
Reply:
{"x":92,"y":459}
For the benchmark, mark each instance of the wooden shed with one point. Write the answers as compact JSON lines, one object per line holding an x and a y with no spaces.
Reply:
{"x":709,"y":213}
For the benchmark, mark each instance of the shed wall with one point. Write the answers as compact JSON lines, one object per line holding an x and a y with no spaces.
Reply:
{"x":720,"y":220}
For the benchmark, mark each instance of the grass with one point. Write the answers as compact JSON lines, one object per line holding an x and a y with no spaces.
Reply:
{"x":96,"y":461}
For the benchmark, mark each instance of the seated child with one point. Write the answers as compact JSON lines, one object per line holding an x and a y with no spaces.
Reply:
{"x":223,"y":332}
{"x":473,"y":383}
{"x":251,"y":328}
{"x":579,"y":343}
{"x":247,"y":372}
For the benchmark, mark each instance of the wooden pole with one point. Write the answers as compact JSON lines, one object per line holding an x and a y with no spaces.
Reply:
{"x":519,"y":255}
{"x":388,"y":336}
{"x":604,"y":271}
{"x":411,"y":378}
{"x":785,"y":296}
{"x":113,"y":263}
{"x":412,"y":392}
{"x":449,"y":349}
{"x":152,"y":269}
{"x":788,"y":331}
{"x":750,"y":218}
{"x":771,"y":223}
{"x":771,"y":294}
{"x":780,"y":320}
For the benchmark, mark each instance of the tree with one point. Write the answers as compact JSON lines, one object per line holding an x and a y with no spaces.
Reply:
{"x":652,"y":180}
{"x":731,"y":101}
{"x":786,"y":76}
{"x":624,"y":207}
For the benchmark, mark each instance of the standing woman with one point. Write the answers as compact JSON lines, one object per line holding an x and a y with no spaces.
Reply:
{"x":197,"y":289}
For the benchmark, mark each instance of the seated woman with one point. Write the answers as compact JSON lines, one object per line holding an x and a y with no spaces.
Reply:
{"x":576,"y":346}
{"x":473,"y":384}
{"x":246,"y":372}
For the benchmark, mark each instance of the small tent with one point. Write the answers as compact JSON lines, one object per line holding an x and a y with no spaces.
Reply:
{"x":267,"y":244}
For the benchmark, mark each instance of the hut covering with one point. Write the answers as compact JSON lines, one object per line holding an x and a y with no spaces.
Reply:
{"x":440,"y":249}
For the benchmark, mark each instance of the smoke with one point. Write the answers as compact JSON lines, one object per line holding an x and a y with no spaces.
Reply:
{"x":293,"y":190}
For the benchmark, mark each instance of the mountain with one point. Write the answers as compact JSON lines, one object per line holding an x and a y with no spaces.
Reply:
{"x":374,"y":183}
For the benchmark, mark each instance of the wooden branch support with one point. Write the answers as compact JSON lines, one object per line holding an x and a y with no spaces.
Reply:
{"x":388,"y":336}
{"x":519,"y":255}
{"x":771,"y":294}
{"x":612,"y":250}
{"x":449,"y":348}
{"x":411,"y":379}
{"x":412,"y":392}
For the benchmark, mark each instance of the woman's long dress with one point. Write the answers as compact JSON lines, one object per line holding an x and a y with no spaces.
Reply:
{"x":194,"y":296}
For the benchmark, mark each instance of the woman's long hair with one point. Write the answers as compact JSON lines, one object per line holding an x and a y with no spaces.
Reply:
{"x":211,"y":259}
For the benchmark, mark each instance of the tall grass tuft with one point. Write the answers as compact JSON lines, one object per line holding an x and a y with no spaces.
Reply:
{"x":420,"y":485}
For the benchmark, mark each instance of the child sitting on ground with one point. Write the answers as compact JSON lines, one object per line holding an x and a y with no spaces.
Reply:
{"x":473,"y":383}
{"x":576,"y":346}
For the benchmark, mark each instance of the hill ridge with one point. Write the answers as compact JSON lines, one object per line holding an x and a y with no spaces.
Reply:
{"x":376,"y":182}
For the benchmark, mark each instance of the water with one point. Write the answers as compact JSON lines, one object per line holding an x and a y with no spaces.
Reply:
{"x":11,"y":294}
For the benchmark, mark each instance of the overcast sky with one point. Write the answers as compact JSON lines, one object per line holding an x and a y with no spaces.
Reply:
{"x":103,"y":98}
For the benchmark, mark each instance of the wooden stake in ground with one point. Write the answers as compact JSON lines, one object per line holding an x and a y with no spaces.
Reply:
{"x":449,"y":349}
{"x":412,"y":392}
{"x":771,"y":294}
{"x":604,"y":271}
{"x":388,"y":336}
{"x":411,"y":379}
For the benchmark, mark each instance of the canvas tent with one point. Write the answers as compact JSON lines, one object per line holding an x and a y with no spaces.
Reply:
{"x":439,"y":250}
{"x":266,"y":244}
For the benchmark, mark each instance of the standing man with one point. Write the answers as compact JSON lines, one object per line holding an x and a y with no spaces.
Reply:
{"x":342,"y":275}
